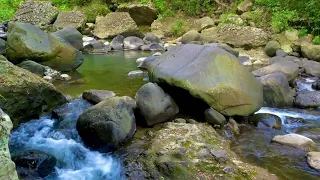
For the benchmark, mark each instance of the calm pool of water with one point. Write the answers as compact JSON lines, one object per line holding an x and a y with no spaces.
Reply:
{"x":106,"y":72}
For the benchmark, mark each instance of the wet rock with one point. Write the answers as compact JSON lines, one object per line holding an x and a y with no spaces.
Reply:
{"x":50,"y":51}
{"x":310,"y":132}
{"x":296,"y":140}
{"x":116,"y":23}
{"x":97,"y":96}
{"x":214,"y":117}
{"x":268,"y":120}
{"x":136,"y":73}
{"x":107,"y":125}
{"x":290,"y":69}
{"x":307,"y":99}
{"x":21,"y":89}
{"x":293,"y":120}
{"x":41,"y":163}
{"x":276,"y":90}
{"x":2,"y":47}
{"x":190,"y":36}
{"x":146,"y":62}
{"x":70,"y":36}
{"x":311,"y":51}
{"x":117,"y":42}
{"x":152,"y":47}
{"x":142,"y":14}
{"x":151,"y":38}
{"x":314,"y":160}
{"x":132,"y":43}
{"x":281,"y":53}
{"x":130,"y":101}
{"x":74,"y":19}
{"x":247,"y":37}
{"x":96,"y":47}
{"x":311,"y":67}
{"x":191,"y":121}
{"x":271,"y":48}
{"x":65,"y":77}
{"x":194,"y":68}
{"x":36,"y":13}
{"x":154,"y":105}
{"x":8,"y":168}
{"x":33,"y":67}
{"x":140,"y":60}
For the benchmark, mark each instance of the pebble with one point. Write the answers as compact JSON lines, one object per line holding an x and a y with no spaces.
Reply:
{"x":157,"y":54}
{"x":65,"y":77}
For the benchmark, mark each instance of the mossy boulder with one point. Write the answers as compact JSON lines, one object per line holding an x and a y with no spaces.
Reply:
{"x":7,"y":168}
{"x":26,"y":41}
{"x":108,"y":124}
{"x":24,"y":95}
{"x":70,"y":36}
{"x":211,"y":74}
{"x":311,"y":51}
{"x":271,"y":48}
{"x":74,"y":19}
{"x":142,"y":14}
{"x":33,"y":67}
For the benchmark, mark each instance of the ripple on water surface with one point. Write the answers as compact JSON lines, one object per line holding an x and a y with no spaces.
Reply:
{"x":61,"y":140}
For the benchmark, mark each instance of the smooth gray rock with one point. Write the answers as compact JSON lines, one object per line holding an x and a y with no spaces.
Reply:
{"x":96,"y":96}
{"x":132,"y":43}
{"x":308,"y":99}
{"x":214,"y":117}
{"x":117,"y":42}
{"x":71,"y":36}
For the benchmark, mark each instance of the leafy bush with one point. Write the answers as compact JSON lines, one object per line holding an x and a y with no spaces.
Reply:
{"x":303,"y":32}
{"x":8,"y":9}
{"x":316,"y":40}
{"x":93,"y":10}
{"x":280,"y":20}
{"x":177,"y":28}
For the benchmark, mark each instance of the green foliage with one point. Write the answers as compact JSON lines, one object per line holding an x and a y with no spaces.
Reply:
{"x":293,"y":13}
{"x":8,"y":9}
{"x":93,"y":10}
{"x":316,"y":40}
{"x":69,"y":4}
{"x":177,"y":29}
{"x":303,"y":32}
{"x":231,"y":19}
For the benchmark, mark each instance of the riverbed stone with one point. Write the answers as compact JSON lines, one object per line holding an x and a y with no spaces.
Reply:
{"x":33,"y":67}
{"x":269,"y":120}
{"x":74,"y":19}
{"x":116,"y":23}
{"x":152,"y":47}
{"x":155,"y":105}
{"x":211,"y":74}
{"x":289,"y":69}
{"x":246,"y":36}
{"x":142,"y":14}
{"x":136,"y":73}
{"x":2,"y":47}
{"x":314,"y":160}
{"x":214,"y":117}
{"x":281,"y":53}
{"x":117,"y":42}
{"x":244,"y":6}
{"x":190,"y":36}
{"x":97,"y":96}
{"x":7,"y":168}
{"x":151,"y":38}
{"x":271,"y":48}
{"x":71,"y":36}
{"x":308,"y":99}
{"x":296,"y":140}
{"x":276,"y":90}
{"x":205,"y":22}
{"x":36,"y":13}
{"x":311,"y":67}
{"x":132,"y":43}
{"x":107,"y":125}
{"x":311,"y":51}
{"x":24,"y":95}
{"x":40,"y":47}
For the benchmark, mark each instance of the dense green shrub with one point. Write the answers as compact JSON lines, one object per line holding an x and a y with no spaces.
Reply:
{"x":316,"y":40}
{"x":93,"y":10}
{"x":177,"y":29}
{"x":8,"y":9}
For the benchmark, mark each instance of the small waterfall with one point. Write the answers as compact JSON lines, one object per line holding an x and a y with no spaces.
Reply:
{"x":306,"y":84}
{"x":61,"y":140}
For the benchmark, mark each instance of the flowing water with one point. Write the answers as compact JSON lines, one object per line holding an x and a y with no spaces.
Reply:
{"x":60,"y":138}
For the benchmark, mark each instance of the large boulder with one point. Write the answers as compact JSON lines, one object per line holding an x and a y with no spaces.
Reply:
{"x":308,"y":99}
{"x":33,"y":67}
{"x":271,"y":48}
{"x":74,"y":19}
{"x":290,"y":69}
{"x":314,"y":160}
{"x":142,"y":14}
{"x":36,"y":13}
{"x":71,"y":36}
{"x":114,"y":24}
{"x":311,"y":67}
{"x":24,"y":95}
{"x":132,"y":43}
{"x":97,"y":96}
{"x":211,"y":74}
{"x":7,"y":168}
{"x":191,"y":35}
{"x":26,"y":41}
{"x":311,"y":51}
{"x":155,"y":105}
{"x":276,"y":90}
{"x":107,"y":125}
{"x":237,"y":36}
{"x":296,"y":140}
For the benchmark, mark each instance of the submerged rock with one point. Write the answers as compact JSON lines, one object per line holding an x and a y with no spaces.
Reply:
{"x":40,"y":47}
{"x":24,"y":95}
{"x":211,"y":74}
{"x":107,"y":125}
{"x":296,"y":140}
{"x":7,"y":168}
{"x":308,"y":99}
{"x":155,"y":105}
{"x":314,"y":160}
{"x":268,"y":120}
{"x":97,"y":96}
